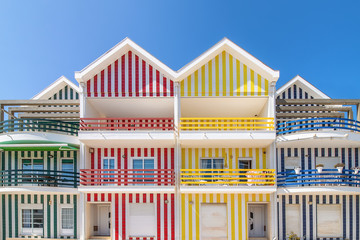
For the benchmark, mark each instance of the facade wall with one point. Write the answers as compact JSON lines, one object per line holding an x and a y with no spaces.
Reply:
{"x":295,"y":92}
{"x":237,"y":213}
{"x":191,"y":156}
{"x":11,"y":205}
{"x":164,"y":157}
{"x":12,"y":159}
{"x":130,"y":76}
{"x":349,"y":208}
{"x":164,"y":209}
{"x":307,"y":156}
{"x":66,"y":93}
{"x":222,"y":76}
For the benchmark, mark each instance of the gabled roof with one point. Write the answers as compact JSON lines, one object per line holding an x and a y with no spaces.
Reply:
{"x":298,"y":80}
{"x":224,"y":45}
{"x":53,"y":88}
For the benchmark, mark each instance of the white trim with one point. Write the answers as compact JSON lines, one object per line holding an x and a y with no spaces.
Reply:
{"x":177,"y":76}
{"x":65,"y":232}
{"x":311,"y":87}
{"x":57,"y":85}
{"x":132,"y":158}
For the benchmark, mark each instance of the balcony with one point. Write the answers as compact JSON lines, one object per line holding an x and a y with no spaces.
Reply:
{"x":146,"y":180}
{"x":314,"y":180}
{"x":28,"y":178}
{"x":247,"y":131}
{"x":126,"y":131}
{"x":331,"y":131}
{"x":36,"y":134}
{"x":224,"y":180}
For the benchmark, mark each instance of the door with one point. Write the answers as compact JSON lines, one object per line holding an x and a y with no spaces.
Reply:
{"x":33,"y":170}
{"x":213,"y":220}
{"x":257,"y":220}
{"x":108,"y":163}
{"x":67,"y":168}
{"x":104,"y":220}
{"x":214,"y":166}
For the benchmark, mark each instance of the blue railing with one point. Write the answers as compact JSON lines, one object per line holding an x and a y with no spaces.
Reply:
{"x":328,"y":177}
{"x":318,"y":123}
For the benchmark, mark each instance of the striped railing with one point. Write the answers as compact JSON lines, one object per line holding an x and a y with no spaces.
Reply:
{"x":318,"y":124}
{"x":249,"y":177}
{"x":127,"y":177}
{"x":28,"y":177}
{"x":247,"y":124}
{"x":39,"y":125}
{"x":312,"y":177}
{"x":112,"y":124}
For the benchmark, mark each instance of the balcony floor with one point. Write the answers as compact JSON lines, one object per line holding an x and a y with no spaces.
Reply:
{"x":127,"y":189}
{"x":228,"y":189}
{"x":326,"y":190}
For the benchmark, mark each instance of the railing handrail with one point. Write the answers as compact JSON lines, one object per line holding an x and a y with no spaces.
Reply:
{"x":170,"y":119}
{"x":227,"y":118}
{"x":36,"y":170}
{"x":314,"y":119}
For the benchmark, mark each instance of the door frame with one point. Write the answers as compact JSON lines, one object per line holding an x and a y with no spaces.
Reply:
{"x":267,"y":218}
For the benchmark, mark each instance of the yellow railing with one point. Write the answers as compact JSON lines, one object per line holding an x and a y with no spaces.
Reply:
{"x":250,"y":177}
{"x":227,"y":124}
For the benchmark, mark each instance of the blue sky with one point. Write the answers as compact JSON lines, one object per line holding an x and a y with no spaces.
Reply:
{"x":42,"y":40}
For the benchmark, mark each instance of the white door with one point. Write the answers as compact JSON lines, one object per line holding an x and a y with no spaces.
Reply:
{"x":257,"y":222}
{"x":104,"y":220}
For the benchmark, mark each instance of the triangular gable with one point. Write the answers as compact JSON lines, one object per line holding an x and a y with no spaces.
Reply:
{"x":130,"y":75}
{"x":225,"y":75}
{"x":61,"y":89}
{"x":299,"y":88}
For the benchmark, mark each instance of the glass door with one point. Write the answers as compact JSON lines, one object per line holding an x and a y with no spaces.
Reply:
{"x":32,"y":171}
{"x":216,"y":165}
{"x":143,"y":163}
{"x":108,"y":163}
{"x":68,"y":172}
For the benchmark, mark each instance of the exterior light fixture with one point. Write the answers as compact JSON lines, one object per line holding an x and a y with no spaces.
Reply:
{"x":166,"y":201}
{"x":91,"y":150}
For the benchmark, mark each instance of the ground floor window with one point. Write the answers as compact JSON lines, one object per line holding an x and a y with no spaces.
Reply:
{"x":329,"y":220}
{"x":67,"y":220}
{"x":32,"y":220}
{"x":142,"y":220}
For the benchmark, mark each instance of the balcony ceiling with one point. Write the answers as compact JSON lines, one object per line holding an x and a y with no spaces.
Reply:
{"x":134,"y":107}
{"x":223,"y":107}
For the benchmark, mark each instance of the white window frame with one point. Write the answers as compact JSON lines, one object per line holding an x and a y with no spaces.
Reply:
{"x":213,"y":158}
{"x":30,"y":231}
{"x":246,"y":159}
{"x":66,"y":232}
{"x":340,"y":234}
{"x":142,"y":158}
{"x":129,"y":215}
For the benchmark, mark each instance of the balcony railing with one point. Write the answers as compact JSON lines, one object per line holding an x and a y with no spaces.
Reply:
{"x":328,"y":177}
{"x":231,"y":177}
{"x":39,"y":125}
{"x":128,"y":124}
{"x":318,"y":124}
{"x":127,"y":177}
{"x":27,"y":177}
{"x":247,"y":124}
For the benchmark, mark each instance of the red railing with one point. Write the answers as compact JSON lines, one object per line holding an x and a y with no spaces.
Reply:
{"x":127,"y":177}
{"x":111,"y":124}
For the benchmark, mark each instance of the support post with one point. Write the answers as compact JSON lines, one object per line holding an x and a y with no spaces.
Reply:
{"x":177,"y":161}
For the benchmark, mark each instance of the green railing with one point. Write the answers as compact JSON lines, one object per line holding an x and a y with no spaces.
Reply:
{"x":39,"y":125}
{"x":50,"y":178}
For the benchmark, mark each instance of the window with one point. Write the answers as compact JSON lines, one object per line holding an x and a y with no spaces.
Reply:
{"x":143,"y":163}
{"x":67,"y":220}
{"x":293,"y":219}
{"x":32,"y":220}
{"x":329,"y":223}
{"x":108,"y":163}
{"x":212,"y":163}
{"x":29,"y":167}
{"x":245,"y":163}
{"x":142,"y":220}
{"x":291,"y":163}
{"x":67,"y":167}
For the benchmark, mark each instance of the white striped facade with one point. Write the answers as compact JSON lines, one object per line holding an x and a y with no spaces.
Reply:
{"x":130,"y":76}
{"x":237,"y":213}
{"x":10,"y":212}
{"x":191,"y":157}
{"x":224,"y":76}
{"x":65,"y":93}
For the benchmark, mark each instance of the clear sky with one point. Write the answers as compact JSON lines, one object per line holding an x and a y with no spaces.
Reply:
{"x":42,"y":40}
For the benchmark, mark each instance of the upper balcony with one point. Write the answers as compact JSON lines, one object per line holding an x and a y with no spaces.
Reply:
{"x":319,"y":180}
{"x":226,"y":122}
{"x":228,"y":180}
{"x":128,"y":122}
{"x":127,"y":180}
{"x":17,"y":180}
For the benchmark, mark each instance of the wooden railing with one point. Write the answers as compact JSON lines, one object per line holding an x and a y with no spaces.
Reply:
{"x":127,"y":177}
{"x":249,"y":177}
{"x":51,"y":178}
{"x":312,"y":177}
{"x":226,"y":124}
{"x":39,"y":125}
{"x":128,"y":124}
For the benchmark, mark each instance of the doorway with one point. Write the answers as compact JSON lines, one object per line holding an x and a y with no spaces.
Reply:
{"x":257,"y":224}
{"x":104,"y":220}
